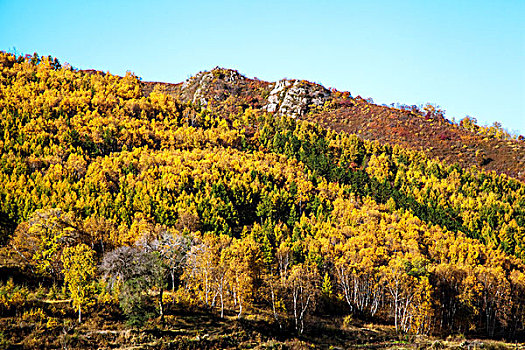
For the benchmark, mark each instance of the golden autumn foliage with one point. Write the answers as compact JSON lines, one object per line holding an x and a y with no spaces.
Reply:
{"x":249,"y":210}
{"x":79,"y":275}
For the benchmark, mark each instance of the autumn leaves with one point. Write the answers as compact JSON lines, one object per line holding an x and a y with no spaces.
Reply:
{"x":247,"y":211}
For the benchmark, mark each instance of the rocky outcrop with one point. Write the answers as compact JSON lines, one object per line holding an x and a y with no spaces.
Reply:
{"x":295,"y":97}
{"x":209,"y":88}
{"x":277,"y":95}
{"x":217,"y":84}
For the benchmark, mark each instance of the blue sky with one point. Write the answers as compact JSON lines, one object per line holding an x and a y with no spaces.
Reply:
{"x":466,"y":56}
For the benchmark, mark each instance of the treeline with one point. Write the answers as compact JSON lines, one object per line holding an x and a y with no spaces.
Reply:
{"x":245,"y":211}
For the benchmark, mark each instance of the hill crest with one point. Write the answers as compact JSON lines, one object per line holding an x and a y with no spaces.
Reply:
{"x":423,"y":128}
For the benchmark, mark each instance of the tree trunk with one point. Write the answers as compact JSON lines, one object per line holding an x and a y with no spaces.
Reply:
{"x":295,"y":310}
{"x":303,"y":310}
{"x":240,"y":309}
{"x":161,"y":304}
{"x":395,"y":311}
{"x":273,"y":305}
{"x":222,"y":304}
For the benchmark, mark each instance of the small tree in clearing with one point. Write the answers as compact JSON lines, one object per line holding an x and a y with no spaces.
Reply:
{"x":79,"y":273}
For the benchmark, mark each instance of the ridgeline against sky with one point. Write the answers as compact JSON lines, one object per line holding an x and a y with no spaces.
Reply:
{"x":468,"y":57}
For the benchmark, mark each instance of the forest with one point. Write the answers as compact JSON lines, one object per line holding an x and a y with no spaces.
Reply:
{"x":114,"y":199}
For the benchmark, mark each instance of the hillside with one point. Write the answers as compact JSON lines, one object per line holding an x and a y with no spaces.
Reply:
{"x":414,"y":127}
{"x":221,"y":213}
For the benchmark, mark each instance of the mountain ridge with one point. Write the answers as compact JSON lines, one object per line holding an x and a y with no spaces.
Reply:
{"x":201,"y":199}
{"x":419,"y":128}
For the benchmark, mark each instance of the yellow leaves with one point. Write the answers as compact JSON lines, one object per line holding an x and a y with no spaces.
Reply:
{"x":243,"y":261}
{"x":464,"y":251}
{"x":97,"y":146}
{"x":12,"y":297}
{"x":76,"y":166}
{"x":129,"y":86}
{"x":79,"y":265}
{"x":422,"y":308}
{"x":470,"y":292}
{"x":40,"y":241}
{"x":35,"y":316}
{"x":76,"y":101}
{"x":326,"y":287}
{"x":79,"y":274}
{"x":328,"y":190}
{"x":219,"y":264}
{"x":52,"y":323}
{"x":409,"y":295}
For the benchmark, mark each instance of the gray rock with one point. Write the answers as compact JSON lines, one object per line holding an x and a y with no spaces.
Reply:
{"x":197,"y":88}
{"x":295,"y":98}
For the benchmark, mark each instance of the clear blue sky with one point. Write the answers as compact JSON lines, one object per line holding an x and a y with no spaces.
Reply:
{"x":466,"y":56}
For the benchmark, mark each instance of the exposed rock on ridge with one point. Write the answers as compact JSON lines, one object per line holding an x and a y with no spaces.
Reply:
{"x":285,"y":97}
{"x":296,"y":97}
{"x":218,"y":84}
{"x":226,"y":91}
